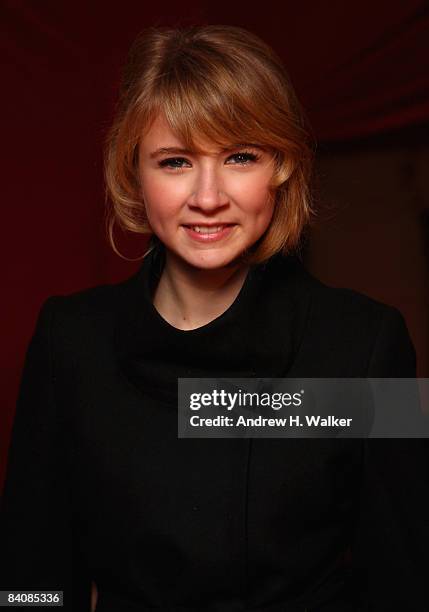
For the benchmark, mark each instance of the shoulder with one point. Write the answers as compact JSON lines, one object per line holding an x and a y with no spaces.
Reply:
{"x":83,"y":320}
{"x":352,"y":324}
{"x":292,"y":274}
{"x":97,"y":300}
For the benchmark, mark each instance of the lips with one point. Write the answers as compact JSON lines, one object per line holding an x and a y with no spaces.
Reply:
{"x":208,"y":224}
{"x":209,"y":233}
{"x":208,"y":229}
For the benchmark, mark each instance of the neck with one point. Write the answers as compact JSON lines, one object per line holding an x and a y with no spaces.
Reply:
{"x":189,"y":297}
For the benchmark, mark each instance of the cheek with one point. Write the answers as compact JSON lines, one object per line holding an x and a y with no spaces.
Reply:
{"x":161,"y":197}
{"x":256,"y":198}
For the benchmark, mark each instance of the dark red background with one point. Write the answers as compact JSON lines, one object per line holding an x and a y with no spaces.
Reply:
{"x":361,"y":71}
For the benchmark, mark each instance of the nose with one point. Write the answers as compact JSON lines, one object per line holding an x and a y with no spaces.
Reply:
{"x":207,"y":193}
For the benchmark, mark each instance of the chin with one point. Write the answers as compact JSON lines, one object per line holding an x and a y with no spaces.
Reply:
{"x":206,"y":260}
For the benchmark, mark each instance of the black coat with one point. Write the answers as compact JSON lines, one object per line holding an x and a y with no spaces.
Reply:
{"x":100,"y":487}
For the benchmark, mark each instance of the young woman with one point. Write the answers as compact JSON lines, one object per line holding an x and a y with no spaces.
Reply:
{"x":209,"y":154}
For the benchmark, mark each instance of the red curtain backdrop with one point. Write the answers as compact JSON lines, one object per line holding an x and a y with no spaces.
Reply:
{"x":360,"y":69}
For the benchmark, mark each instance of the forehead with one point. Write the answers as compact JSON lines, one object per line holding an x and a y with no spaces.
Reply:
{"x":161,"y":136}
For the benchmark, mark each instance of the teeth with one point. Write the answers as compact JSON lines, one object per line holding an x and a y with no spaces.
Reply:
{"x":206,"y":230}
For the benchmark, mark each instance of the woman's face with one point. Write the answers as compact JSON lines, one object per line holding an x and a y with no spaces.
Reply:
{"x":206,"y":208}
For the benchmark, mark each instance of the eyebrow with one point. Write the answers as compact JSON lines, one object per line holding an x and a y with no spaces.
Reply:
{"x":178,"y":150}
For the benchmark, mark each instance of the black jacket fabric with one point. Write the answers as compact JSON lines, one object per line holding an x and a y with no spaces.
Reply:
{"x":99,"y":486}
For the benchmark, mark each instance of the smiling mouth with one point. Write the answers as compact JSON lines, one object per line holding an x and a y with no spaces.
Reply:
{"x":209,"y":229}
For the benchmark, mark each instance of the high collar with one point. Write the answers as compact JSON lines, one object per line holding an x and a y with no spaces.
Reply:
{"x":257,"y":336}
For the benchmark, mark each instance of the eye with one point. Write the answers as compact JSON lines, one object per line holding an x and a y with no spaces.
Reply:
{"x":175,"y":163}
{"x":244,"y":157}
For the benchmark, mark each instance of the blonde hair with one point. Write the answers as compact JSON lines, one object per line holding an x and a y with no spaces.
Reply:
{"x":223,"y":83}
